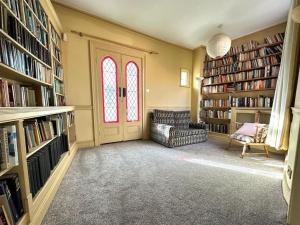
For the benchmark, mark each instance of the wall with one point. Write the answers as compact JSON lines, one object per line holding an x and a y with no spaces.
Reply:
{"x":162,"y":70}
{"x":199,"y":56}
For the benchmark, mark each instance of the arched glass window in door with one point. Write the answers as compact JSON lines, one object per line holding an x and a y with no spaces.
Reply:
{"x":109,"y":82}
{"x":132,"y":97}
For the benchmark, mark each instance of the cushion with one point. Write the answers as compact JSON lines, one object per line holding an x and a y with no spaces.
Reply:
{"x":182,"y":119}
{"x":244,"y":138}
{"x":163,"y":117}
{"x":250,"y":129}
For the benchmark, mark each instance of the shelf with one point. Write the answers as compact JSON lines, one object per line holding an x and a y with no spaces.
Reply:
{"x":24,"y":49}
{"x":242,"y":91}
{"x":2,"y":172}
{"x":251,"y":50}
{"x":37,"y":148}
{"x":10,"y":73}
{"x":60,"y":94}
{"x":59,"y":62}
{"x":238,"y":81}
{"x":244,"y":70}
{"x":238,"y":61}
{"x":221,"y":108}
{"x":24,"y":26}
{"x":219,"y":120}
{"x":58,"y":78}
{"x":17,"y":113}
{"x":23,"y":220}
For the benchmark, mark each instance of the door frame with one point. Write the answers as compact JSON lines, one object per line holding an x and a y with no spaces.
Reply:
{"x":94,"y":46}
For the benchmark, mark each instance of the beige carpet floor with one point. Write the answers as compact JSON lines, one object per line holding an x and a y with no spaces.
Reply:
{"x":144,"y":183}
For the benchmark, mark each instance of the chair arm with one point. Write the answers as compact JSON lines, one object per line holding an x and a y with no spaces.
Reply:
{"x":196,"y":125}
{"x":238,"y":125}
{"x":162,"y":129}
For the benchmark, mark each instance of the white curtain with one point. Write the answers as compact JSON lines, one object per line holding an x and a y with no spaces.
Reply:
{"x":278,"y":133}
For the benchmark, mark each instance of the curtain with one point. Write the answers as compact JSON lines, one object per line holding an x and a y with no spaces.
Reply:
{"x":278,"y":133}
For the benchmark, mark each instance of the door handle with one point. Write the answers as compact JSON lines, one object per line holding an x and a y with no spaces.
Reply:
{"x":124,"y":92}
{"x":120,"y":92}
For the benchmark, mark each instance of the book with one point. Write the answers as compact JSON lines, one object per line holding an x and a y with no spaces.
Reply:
{"x":13,"y":183}
{"x":5,"y":163}
{"x":12,"y":145}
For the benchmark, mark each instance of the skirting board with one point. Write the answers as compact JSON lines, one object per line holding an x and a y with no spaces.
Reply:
{"x":41,"y":204}
{"x":86,"y":144}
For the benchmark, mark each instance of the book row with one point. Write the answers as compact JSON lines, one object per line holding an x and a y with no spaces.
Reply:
{"x":44,"y":161}
{"x":56,"y":53}
{"x":16,"y":95}
{"x":10,"y":25}
{"x":55,"y":36}
{"x":262,"y":52}
{"x":219,"y":114}
{"x":23,"y":63}
{"x":260,"y":101}
{"x":71,"y":118}
{"x":34,"y":26}
{"x":274,"y":39}
{"x":245,"y":65}
{"x":219,"y":128}
{"x":14,"y":6}
{"x":268,"y":71}
{"x":252,"y":45}
{"x":241,"y":86}
{"x":60,"y":100}
{"x":41,"y":130}
{"x":8,"y":147}
{"x":11,"y":209}
{"x":58,"y":87}
{"x":215,"y":103}
{"x":37,"y":8}
{"x":57,"y":69}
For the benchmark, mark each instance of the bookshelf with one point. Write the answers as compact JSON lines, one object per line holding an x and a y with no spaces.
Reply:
{"x":37,"y":129}
{"x":244,"y":78}
{"x":30,"y":54}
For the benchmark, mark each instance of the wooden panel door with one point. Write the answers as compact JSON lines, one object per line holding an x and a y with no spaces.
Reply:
{"x":110,"y":109}
{"x":132,"y":97}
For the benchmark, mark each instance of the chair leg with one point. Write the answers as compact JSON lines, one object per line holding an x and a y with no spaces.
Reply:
{"x":229,"y":144}
{"x":248,"y":147}
{"x":267,"y":150}
{"x":244,"y":151}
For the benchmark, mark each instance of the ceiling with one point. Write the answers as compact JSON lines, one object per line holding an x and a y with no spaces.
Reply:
{"x":188,"y":23}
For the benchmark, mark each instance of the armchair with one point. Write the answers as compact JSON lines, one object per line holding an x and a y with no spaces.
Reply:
{"x":174,"y":128}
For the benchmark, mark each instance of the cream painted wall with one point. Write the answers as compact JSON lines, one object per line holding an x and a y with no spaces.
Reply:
{"x":162,"y":70}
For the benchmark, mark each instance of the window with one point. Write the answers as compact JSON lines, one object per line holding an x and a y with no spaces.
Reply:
{"x":184,"y":78}
{"x":109,"y":90}
{"x":132,"y":97}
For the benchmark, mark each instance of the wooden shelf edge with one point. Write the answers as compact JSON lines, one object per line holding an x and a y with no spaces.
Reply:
{"x":37,"y":148}
{"x":19,"y":113}
{"x":2,"y":172}
{"x":12,"y":74}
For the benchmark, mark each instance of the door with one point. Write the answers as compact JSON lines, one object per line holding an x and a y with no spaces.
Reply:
{"x":119,"y":85}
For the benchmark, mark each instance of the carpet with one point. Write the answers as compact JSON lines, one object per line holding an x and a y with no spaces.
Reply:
{"x":144,"y":183}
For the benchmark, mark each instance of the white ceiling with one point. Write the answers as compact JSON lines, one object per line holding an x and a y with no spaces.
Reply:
{"x":188,"y":23}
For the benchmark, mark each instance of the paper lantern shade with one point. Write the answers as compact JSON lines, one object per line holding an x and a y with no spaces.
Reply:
{"x":218,"y":45}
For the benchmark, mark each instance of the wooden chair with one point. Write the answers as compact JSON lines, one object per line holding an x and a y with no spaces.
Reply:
{"x":247,"y":145}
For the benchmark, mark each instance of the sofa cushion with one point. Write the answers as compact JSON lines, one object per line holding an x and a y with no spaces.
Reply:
{"x":182,"y":119}
{"x":163,"y":117}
